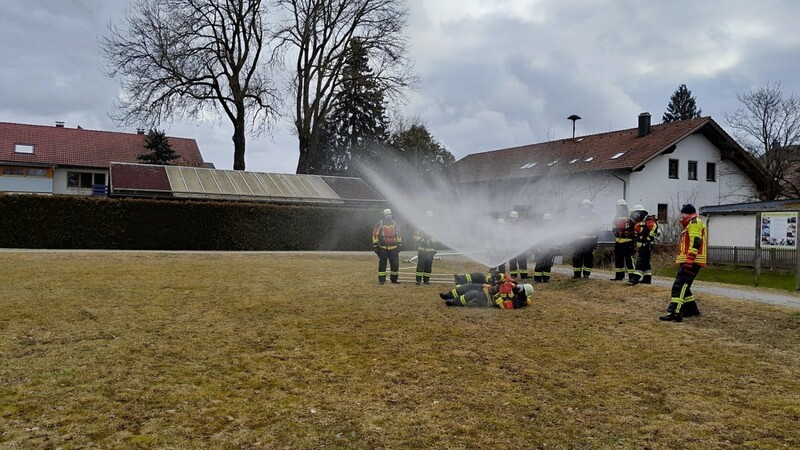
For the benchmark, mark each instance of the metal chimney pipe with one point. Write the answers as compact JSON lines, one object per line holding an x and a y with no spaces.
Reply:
{"x":644,"y":124}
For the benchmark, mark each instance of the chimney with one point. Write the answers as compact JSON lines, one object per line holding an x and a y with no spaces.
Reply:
{"x":59,"y":124}
{"x":644,"y":124}
{"x":140,"y":131}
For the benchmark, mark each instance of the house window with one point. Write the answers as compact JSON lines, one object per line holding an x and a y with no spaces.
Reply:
{"x":673,"y":168}
{"x":37,"y":172}
{"x":84,"y":180}
{"x":23,"y":148}
{"x":617,"y":155}
{"x":692,"y":175}
{"x":662,"y":212}
{"x":711,"y":172}
{"x":18,"y":171}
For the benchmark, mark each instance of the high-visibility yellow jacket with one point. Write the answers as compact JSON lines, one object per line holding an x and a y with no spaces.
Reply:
{"x":693,"y":241}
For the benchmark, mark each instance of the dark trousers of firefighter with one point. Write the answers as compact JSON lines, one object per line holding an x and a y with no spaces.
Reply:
{"x":623,"y":259}
{"x":643,"y":272}
{"x":468,"y":295}
{"x":518,"y":266}
{"x":424,"y":265}
{"x":544,"y":264}
{"x":583,"y":257}
{"x":394,"y":264}
{"x":682,"y":301}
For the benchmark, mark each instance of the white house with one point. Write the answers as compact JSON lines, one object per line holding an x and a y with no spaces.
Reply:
{"x":660,"y":167}
{"x":59,"y":160}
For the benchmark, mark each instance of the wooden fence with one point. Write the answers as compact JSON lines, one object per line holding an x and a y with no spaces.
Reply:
{"x":746,"y":256}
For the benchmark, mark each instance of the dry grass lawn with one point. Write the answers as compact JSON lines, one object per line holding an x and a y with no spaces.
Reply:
{"x":150,"y":350}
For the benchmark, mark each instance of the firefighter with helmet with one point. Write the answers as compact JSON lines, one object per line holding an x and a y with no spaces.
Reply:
{"x":544,"y":253}
{"x":646,"y":231}
{"x":624,"y":242}
{"x":506,"y":294}
{"x":426,"y":249}
{"x":386,"y":243}
{"x":517,"y":266}
{"x":586,"y":241}
{"x":692,"y":256}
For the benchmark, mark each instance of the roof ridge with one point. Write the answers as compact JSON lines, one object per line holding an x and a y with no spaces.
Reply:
{"x":51,"y":127}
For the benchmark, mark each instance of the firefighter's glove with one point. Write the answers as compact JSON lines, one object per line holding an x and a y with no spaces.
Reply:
{"x":638,"y":245}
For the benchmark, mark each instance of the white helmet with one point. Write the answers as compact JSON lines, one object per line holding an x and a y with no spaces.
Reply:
{"x":428,"y":213}
{"x":547,"y":216}
{"x":501,"y":221}
{"x":622,"y":202}
{"x":528,"y":290}
{"x":513,"y":215}
{"x":639,"y":208}
{"x":387,"y":212}
{"x":586,"y":201}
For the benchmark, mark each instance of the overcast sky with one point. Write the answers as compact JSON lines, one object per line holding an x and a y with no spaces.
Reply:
{"x":494,"y":74}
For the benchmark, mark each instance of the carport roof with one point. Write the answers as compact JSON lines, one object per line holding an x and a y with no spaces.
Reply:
{"x":752,"y":208}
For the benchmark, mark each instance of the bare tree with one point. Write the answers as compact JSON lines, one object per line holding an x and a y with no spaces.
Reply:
{"x":318,"y":33}
{"x":180,"y":58}
{"x":768,"y":126}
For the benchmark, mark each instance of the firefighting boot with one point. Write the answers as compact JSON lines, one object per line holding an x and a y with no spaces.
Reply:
{"x":647,"y":279}
{"x":537,"y":279}
{"x":674,"y":314}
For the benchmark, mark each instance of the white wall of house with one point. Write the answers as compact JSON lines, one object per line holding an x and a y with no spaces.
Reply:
{"x":652,"y":185}
{"x":737,"y":230}
{"x":61,"y":175}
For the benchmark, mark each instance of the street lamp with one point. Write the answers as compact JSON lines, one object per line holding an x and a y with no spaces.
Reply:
{"x":574,"y":118}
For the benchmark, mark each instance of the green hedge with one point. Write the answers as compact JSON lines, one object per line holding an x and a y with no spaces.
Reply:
{"x":67,"y":222}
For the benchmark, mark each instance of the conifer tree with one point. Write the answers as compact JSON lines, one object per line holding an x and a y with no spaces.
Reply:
{"x":682,"y":106}
{"x":161,"y":152}
{"x":356,"y":128}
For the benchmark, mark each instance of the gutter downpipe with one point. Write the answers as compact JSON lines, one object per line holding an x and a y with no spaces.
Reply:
{"x":624,"y":186}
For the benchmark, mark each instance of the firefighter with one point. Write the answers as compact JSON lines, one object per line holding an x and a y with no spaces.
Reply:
{"x":692,"y":250}
{"x":624,"y":243}
{"x":544,"y":253}
{"x":505,"y":295}
{"x":518,"y":266}
{"x":386,"y":243}
{"x":586,"y":242}
{"x":426,"y":249}
{"x":646,"y":230}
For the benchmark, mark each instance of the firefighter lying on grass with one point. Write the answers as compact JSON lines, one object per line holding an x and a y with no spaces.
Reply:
{"x":503,"y":294}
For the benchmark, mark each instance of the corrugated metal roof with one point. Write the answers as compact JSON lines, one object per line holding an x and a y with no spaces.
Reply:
{"x":143,"y":180}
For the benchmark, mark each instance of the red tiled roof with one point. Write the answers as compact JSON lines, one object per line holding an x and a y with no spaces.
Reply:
{"x":85,"y":148}
{"x":573,"y":155}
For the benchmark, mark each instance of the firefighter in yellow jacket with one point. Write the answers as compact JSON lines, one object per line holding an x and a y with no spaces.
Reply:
{"x":505,"y":294}
{"x":692,"y":254}
{"x":624,"y":245}
{"x":386,"y":243}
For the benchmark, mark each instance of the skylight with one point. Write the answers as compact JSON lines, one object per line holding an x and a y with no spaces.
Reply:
{"x":551,"y":163}
{"x":574,"y":160}
{"x":589,"y":159}
{"x":617,"y":155}
{"x":529,"y":165}
{"x":23,"y":148}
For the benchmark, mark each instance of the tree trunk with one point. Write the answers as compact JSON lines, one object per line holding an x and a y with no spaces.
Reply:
{"x":238,"y":141}
{"x":302,"y":161}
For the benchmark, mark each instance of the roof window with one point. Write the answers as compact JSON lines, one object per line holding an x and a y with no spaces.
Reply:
{"x":23,"y":148}
{"x":574,"y":160}
{"x":529,"y":165}
{"x":617,"y":155}
{"x":589,"y":159}
{"x":551,"y":163}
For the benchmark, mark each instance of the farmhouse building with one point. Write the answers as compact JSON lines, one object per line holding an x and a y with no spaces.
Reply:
{"x":660,"y":167}
{"x":60,"y":160}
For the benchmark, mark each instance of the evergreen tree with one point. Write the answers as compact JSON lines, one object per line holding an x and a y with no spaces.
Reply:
{"x":682,"y":106}
{"x":161,"y":152}
{"x":356,"y":128}
{"x":418,"y":147}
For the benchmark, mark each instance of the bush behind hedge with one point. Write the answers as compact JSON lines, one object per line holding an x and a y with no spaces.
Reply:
{"x":72,"y":222}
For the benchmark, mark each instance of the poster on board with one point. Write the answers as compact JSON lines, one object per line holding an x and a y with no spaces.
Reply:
{"x":779,"y":230}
